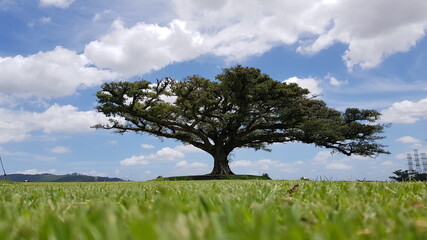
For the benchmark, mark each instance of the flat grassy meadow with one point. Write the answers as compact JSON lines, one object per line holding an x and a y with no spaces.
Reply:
{"x":217,"y":209}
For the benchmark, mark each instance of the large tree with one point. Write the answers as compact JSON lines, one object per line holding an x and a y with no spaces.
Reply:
{"x":242,"y":108}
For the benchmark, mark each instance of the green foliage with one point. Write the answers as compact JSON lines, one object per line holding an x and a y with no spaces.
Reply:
{"x":404,"y":176}
{"x":214,"y":210}
{"x":243,"y":108}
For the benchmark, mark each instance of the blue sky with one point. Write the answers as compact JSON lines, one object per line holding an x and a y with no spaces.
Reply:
{"x":55,"y":54}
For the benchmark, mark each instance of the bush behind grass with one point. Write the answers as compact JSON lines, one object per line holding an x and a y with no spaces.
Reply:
{"x":214,"y":209}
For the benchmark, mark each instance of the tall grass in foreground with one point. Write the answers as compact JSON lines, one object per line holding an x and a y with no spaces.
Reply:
{"x":214,"y":210}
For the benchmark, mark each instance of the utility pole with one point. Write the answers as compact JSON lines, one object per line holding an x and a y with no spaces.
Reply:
{"x":1,"y":161}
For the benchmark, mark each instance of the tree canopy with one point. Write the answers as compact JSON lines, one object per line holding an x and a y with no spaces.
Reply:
{"x":241,"y":108}
{"x":406,"y":175}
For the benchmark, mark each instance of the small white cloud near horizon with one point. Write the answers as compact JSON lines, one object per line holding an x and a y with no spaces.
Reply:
{"x":164,"y":154}
{"x":182,"y":164}
{"x":56,"y":3}
{"x":35,"y":171}
{"x":16,"y":126}
{"x":94,"y":173}
{"x":134,"y":161}
{"x":60,"y":150}
{"x":191,"y":168}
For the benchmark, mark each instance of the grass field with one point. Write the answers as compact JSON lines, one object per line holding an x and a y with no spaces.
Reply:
{"x":214,"y":210}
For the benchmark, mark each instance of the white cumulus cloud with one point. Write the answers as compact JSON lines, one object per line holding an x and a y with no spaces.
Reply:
{"x":67,"y":119}
{"x":17,"y":126}
{"x":310,"y":83}
{"x":372,"y":30}
{"x":164,"y":154}
{"x":185,"y":164}
{"x":134,"y":161}
{"x":188,"y":149}
{"x":144,"y":47}
{"x":56,"y":73}
{"x":333,"y":81}
{"x":191,"y":168}
{"x":405,"y":112}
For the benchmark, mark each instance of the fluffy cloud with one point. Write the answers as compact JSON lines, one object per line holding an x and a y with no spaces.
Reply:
{"x":185,"y":164}
{"x":49,"y":74}
{"x":310,"y":83}
{"x":56,"y":3}
{"x":60,"y":150}
{"x":191,"y":168}
{"x":372,"y":30}
{"x":67,"y":119}
{"x":144,"y":47}
{"x":333,"y":81}
{"x":188,"y":149}
{"x":164,"y":154}
{"x":237,"y":30}
{"x":147,"y":146}
{"x":17,"y":126}
{"x":405,"y":112}
{"x":134,"y":161}
{"x":408,"y":139}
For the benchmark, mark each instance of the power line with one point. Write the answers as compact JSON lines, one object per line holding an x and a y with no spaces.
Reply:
{"x":1,"y":161}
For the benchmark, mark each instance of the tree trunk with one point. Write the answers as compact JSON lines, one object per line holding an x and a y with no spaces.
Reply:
{"x":221,"y":166}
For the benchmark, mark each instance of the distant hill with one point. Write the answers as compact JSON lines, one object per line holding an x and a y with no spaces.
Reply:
{"x":46,"y":177}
